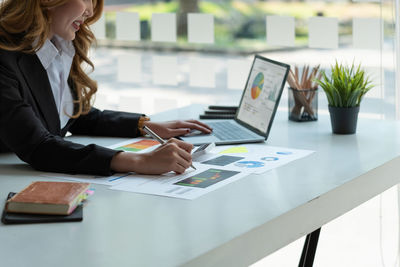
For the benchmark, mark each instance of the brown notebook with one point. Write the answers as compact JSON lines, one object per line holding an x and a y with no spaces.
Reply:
{"x":48,"y":198}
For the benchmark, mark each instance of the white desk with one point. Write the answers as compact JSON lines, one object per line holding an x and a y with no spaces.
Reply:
{"x":232,"y":226}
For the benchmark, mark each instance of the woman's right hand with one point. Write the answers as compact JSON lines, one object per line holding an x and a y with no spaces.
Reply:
{"x":174,"y":156}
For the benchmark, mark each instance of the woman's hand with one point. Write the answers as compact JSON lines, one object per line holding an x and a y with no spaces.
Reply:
{"x":174,"y":156}
{"x":175,"y":128}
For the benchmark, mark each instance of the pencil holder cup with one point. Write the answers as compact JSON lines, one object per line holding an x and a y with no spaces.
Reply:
{"x":303,"y":104}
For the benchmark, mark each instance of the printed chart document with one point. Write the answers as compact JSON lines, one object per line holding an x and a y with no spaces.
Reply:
{"x":252,"y":158}
{"x":225,"y":164}
{"x":221,"y":166}
{"x":190,"y":185}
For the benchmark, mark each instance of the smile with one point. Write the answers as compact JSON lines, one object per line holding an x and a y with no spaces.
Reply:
{"x":76,"y":25}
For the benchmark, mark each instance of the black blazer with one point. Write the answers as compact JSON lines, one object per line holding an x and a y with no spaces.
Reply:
{"x":30,"y":125}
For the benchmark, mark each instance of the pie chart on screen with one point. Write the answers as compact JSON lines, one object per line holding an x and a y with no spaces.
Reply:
{"x":257,"y":86}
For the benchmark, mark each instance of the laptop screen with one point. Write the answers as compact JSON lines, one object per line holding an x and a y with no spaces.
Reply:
{"x":262,"y":93}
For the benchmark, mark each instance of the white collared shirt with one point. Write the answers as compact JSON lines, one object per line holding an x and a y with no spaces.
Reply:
{"x":56,"y":56}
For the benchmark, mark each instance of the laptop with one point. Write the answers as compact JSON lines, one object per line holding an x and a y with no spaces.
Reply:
{"x":256,"y":111}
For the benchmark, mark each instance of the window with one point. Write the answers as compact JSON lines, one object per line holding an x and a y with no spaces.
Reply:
{"x":151,"y":57}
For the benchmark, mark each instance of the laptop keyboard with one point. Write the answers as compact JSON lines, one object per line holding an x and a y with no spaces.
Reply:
{"x":224,"y":130}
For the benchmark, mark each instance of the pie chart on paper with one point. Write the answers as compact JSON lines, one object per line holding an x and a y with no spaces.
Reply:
{"x":257,"y":86}
{"x":249,"y":164}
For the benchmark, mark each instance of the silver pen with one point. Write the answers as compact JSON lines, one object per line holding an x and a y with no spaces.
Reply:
{"x":159,"y":139}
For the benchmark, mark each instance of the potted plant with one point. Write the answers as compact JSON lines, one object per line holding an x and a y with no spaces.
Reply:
{"x":344,"y":90}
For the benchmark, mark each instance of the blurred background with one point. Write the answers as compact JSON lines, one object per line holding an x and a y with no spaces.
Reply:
{"x":152,"y":56}
{"x":239,"y":31}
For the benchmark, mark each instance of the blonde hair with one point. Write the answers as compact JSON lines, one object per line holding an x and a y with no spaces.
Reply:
{"x":25,"y":27}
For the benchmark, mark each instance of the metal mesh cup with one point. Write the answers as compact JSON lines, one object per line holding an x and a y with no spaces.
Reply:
{"x":303,"y":104}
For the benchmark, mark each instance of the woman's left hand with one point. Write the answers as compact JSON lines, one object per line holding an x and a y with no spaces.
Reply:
{"x":170,"y":129}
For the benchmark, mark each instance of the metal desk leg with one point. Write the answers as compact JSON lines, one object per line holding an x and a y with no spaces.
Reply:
{"x":309,"y":249}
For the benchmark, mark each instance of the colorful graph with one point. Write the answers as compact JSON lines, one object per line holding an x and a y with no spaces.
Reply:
{"x":207,"y":178}
{"x":272,"y":94}
{"x":257,"y":86}
{"x":284,"y":153}
{"x":138,"y":146}
{"x":270,"y":158}
{"x":249,"y":164}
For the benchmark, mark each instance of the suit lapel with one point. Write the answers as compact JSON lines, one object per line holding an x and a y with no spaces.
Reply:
{"x":38,"y":82}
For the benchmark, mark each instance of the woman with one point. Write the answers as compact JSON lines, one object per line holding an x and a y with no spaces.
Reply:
{"x":44,"y":93}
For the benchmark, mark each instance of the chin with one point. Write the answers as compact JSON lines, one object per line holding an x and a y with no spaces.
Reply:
{"x":68,"y":36}
{"x":71,"y":37}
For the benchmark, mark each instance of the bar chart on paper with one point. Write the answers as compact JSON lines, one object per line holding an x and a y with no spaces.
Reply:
{"x":207,"y":178}
{"x":138,"y":146}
